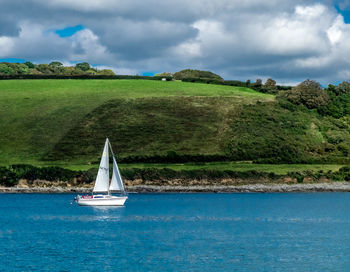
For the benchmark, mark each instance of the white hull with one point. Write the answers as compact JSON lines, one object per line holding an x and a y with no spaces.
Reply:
{"x":105,"y":200}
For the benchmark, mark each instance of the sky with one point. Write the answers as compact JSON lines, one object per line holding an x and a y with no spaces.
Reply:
{"x":288,"y":41}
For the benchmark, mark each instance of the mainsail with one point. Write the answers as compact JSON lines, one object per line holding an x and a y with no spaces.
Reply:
{"x":102,"y":179}
{"x":116,"y":182}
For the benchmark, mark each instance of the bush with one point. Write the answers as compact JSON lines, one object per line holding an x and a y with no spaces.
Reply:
{"x":342,"y":174}
{"x":308,"y":93}
{"x":7,"y":177}
{"x":158,"y":174}
{"x":84,"y":66}
{"x":5,"y":69}
{"x":188,"y":73}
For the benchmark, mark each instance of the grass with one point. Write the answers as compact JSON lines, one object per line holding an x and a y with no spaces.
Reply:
{"x":279,"y":169}
{"x":36,"y":115}
{"x":65,"y":122}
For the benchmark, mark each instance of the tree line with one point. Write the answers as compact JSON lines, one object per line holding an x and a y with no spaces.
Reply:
{"x":54,"y":68}
{"x":10,"y":175}
{"x":332,"y":101}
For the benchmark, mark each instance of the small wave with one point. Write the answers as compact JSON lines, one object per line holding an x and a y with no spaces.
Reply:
{"x":170,"y":218}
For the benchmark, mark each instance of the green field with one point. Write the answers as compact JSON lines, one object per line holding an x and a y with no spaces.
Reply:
{"x":279,"y":169}
{"x":65,"y":123}
{"x":39,"y":116}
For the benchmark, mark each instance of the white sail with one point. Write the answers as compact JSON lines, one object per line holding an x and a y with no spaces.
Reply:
{"x":116,"y":182}
{"x":102,"y":179}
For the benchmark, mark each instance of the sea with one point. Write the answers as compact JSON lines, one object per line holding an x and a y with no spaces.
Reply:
{"x":177,"y":232}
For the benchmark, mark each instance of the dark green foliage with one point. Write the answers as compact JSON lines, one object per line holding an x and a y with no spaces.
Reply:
{"x":339,"y":104}
{"x":149,"y":127}
{"x":7,"y":177}
{"x":236,"y":83}
{"x":284,"y":88}
{"x":55,"y":64}
{"x":299,"y":176}
{"x":156,"y":174}
{"x":267,"y":133}
{"x":84,"y":66}
{"x":159,"y":130}
{"x":5,"y":69}
{"x":203,"y":80}
{"x":342,"y":88}
{"x":106,"y":72}
{"x":78,"y":76}
{"x":270,"y":86}
{"x":308,"y":93}
{"x":53,"y":173}
{"x":53,"y":70}
{"x":29,"y":64}
{"x":172,"y":157}
{"x":196,"y":74}
{"x":342,"y":174}
{"x":88,"y":176}
{"x":44,"y":69}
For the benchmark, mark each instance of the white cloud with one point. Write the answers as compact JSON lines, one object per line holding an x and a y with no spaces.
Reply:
{"x":90,"y":47}
{"x":285,"y":40}
{"x":82,"y":5}
{"x":6,"y":47}
{"x":335,"y":31}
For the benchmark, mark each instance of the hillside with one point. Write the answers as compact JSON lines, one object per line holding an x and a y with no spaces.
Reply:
{"x":67,"y":120}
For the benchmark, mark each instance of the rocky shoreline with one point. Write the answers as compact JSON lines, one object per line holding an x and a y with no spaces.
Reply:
{"x":253,"y":188}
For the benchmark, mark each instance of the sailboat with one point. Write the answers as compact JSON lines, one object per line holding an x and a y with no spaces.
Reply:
{"x":103,"y":189}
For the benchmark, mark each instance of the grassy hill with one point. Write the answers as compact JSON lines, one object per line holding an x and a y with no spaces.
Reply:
{"x":68,"y":120}
{"x":65,"y":122}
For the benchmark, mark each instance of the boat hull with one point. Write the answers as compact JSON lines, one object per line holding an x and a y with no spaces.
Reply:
{"x":102,"y":201}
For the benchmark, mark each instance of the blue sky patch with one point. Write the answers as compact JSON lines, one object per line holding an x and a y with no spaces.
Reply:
{"x":13,"y":60}
{"x":149,"y":73}
{"x":344,"y":13}
{"x":69,"y":31}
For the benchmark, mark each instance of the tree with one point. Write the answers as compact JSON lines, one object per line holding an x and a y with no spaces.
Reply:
{"x":308,"y":93}
{"x":29,"y":65}
{"x":270,"y":84}
{"x":5,"y":69}
{"x":56,"y":64}
{"x":258,"y":83}
{"x":44,"y":68}
{"x":189,"y":73}
{"x":106,"y":72}
{"x":22,"y":69}
{"x":342,"y":88}
{"x":84,"y":66}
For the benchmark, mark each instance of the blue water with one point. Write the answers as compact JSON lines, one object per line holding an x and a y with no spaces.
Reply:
{"x":177,"y":232}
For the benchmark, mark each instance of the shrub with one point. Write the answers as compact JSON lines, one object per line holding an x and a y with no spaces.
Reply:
{"x":308,"y":93}
{"x":5,"y":69}
{"x":84,"y":66}
{"x":7,"y":177}
{"x":188,"y":73}
{"x":270,"y":86}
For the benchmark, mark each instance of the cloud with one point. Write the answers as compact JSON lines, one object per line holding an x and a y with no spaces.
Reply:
{"x":34,"y":42}
{"x":285,"y":40}
{"x":87,"y":47}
